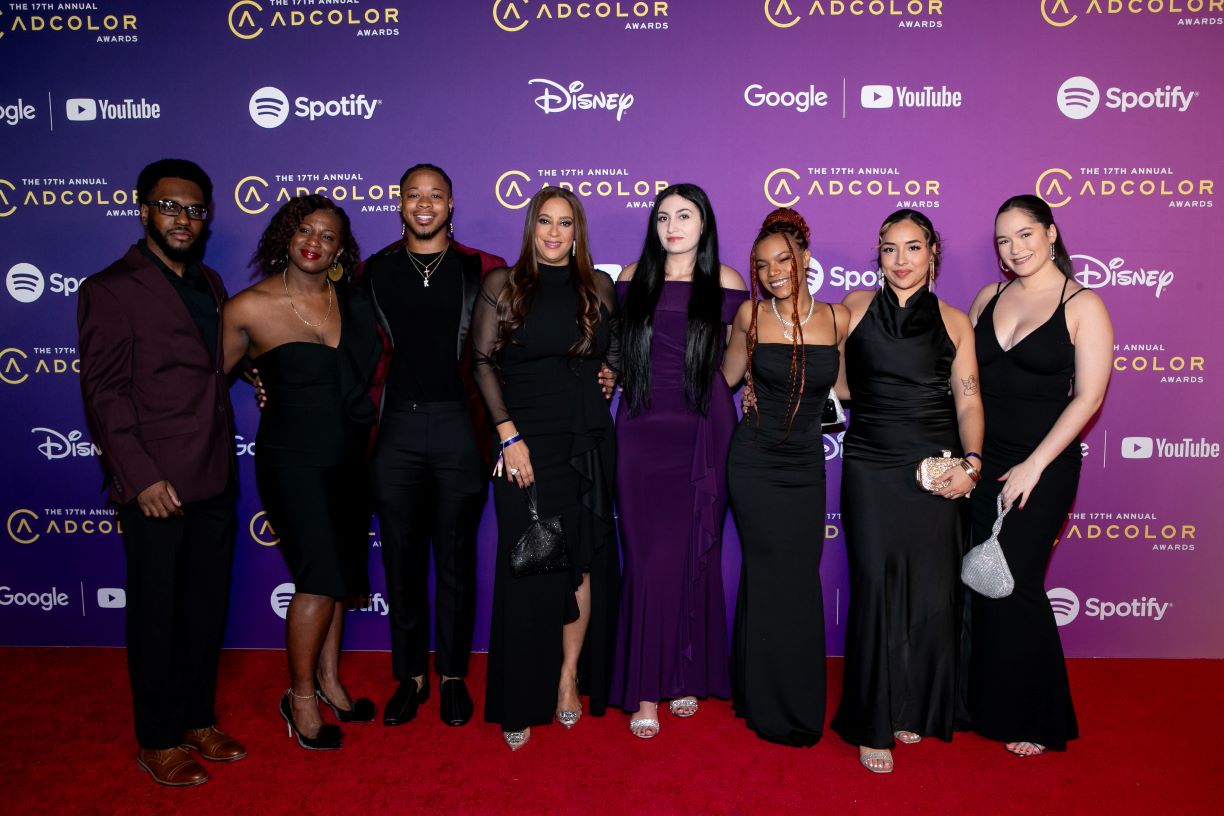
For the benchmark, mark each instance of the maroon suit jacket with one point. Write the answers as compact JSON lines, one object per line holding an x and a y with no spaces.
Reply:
{"x":157,"y":402}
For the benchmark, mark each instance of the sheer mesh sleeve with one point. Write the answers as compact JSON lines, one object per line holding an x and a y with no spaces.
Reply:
{"x":606,"y":290}
{"x":484,"y":336}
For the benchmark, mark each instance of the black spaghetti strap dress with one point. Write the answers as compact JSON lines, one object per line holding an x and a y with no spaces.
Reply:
{"x":1018,"y":687}
{"x":776,"y":478}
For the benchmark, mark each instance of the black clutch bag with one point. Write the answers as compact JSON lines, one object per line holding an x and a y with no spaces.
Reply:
{"x":833,"y":413}
{"x":541,"y":548}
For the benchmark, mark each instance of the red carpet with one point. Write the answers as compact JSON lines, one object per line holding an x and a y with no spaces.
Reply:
{"x":1149,"y":746}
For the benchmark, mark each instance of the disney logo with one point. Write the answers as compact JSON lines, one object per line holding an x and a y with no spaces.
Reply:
{"x":1096,"y":273}
{"x":833,"y":445}
{"x":557,"y":98}
{"x":58,"y":446}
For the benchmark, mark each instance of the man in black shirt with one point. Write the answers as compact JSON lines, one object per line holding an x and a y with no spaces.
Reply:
{"x":157,"y":401}
{"x":430,"y":467}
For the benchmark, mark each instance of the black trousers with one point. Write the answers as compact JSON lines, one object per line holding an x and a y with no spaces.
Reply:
{"x":429,"y":485}
{"x":178,"y":577}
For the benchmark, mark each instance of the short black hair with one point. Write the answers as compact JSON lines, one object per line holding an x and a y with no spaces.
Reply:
{"x":432,"y":168}
{"x":172,"y":168}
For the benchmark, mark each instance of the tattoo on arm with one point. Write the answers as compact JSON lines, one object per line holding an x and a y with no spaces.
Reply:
{"x":970,"y":385}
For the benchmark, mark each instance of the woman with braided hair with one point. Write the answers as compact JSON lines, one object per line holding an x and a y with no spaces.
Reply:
{"x":912,"y":375}
{"x":787,"y":347}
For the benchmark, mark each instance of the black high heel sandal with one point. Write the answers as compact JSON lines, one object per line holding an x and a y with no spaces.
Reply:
{"x":328,"y":738}
{"x":363,"y":709}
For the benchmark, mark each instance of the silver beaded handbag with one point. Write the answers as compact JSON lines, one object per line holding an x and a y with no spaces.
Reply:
{"x":984,"y":569}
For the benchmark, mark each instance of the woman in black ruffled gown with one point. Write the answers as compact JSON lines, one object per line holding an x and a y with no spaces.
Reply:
{"x":787,"y":345}
{"x":1045,"y":347}
{"x":541,"y":330}
{"x":912,"y":378}
{"x":316,"y":345}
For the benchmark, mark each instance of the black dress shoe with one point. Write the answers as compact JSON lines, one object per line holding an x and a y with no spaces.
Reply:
{"x":402,"y":707}
{"x":456,"y":703}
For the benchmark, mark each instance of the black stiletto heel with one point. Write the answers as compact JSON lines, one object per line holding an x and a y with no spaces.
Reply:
{"x":363,"y":709}
{"x":328,"y":738}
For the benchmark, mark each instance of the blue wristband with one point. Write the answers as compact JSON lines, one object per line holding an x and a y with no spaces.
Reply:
{"x":510,"y":440}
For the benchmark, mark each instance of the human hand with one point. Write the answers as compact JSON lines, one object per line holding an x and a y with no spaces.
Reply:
{"x":159,"y":500}
{"x":958,"y":484}
{"x":1019,"y":481}
{"x":516,"y":461}
{"x":607,"y":380}
{"x":261,"y":394}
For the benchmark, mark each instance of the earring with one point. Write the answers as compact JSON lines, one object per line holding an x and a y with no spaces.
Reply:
{"x":1052,"y":252}
{"x":403,"y":229}
{"x":574,"y":250}
{"x":335,"y":272}
{"x":1002,"y":266}
{"x":450,"y":229}
{"x":880,"y":275}
{"x":931,"y":275}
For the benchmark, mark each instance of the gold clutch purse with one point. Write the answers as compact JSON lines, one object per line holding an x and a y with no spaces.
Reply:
{"x":931,"y":470}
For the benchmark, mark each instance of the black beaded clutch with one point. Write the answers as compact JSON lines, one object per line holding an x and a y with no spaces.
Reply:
{"x":542,"y":547}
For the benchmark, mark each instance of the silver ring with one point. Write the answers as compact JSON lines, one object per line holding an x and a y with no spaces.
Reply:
{"x":514,"y":471}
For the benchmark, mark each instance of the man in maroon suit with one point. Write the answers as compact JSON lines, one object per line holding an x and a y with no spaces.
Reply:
{"x":158,"y":405}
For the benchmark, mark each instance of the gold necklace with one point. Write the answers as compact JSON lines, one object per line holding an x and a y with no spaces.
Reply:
{"x":331,"y":301}
{"x":423,"y":269}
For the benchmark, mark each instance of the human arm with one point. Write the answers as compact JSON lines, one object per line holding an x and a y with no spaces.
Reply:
{"x":1092,"y":335}
{"x":106,"y":342}
{"x":515,"y":458}
{"x":735,"y":360}
{"x":966,"y":395}
{"x":235,"y":338}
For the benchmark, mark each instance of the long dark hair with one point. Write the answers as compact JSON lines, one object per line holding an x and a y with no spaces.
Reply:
{"x":794,"y":230}
{"x":704,"y":337}
{"x":271,"y":255}
{"x":1040,"y":212}
{"x":524,"y":277}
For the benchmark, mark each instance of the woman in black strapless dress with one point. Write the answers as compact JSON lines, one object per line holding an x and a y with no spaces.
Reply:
{"x":912,"y":379}
{"x":1045,"y":347}
{"x":787,"y":346}
{"x":315,"y":345}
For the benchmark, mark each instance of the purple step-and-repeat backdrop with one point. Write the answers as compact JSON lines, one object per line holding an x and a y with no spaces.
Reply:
{"x":845,"y":109}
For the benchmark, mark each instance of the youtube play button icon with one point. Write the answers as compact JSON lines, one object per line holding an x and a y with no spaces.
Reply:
{"x":112,"y":598}
{"x":82,"y":110}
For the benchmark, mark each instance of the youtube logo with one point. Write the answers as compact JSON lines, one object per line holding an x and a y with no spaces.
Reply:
{"x":876,"y":96}
{"x":81,"y":110}
{"x":112,"y":598}
{"x":1137,"y":447}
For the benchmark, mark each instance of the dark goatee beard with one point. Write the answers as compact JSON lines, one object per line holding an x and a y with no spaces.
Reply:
{"x":426,"y":236}
{"x":173,"y":253}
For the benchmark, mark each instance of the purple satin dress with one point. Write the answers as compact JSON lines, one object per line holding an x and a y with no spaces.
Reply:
{"x":671,"y":491}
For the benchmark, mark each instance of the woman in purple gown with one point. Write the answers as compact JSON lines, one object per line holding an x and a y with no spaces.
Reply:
{"x":673,"y":429}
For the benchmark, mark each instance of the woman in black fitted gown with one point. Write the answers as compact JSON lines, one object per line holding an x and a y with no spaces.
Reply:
{"x":315,"y":345}
{"x":1044,"y":346}
{"x":787,"y":346}
{"x":912,"y":378}
{"x":540,"y":333}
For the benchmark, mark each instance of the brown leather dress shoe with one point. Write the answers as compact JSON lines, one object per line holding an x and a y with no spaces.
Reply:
{"x":172,"y":766}
{"x":213,"y":744}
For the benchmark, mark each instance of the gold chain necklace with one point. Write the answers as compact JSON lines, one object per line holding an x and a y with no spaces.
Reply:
{"x":423,"y":269}
{"x":331,"y":301}
{"x":788,"y":330}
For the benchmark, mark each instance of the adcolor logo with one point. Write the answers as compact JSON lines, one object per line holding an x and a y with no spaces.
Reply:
{"x":24,"y":282}
{"x":269,"y":107}
{"x":281,"y":596}
{"x":1065,"y":604}
{"x":1078,"y":97}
